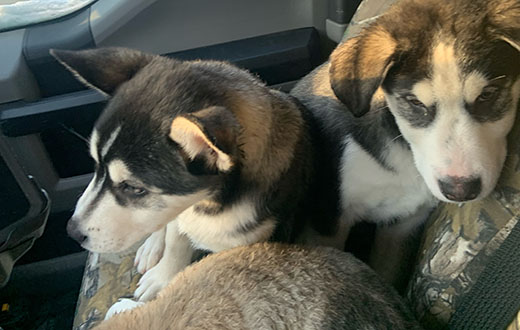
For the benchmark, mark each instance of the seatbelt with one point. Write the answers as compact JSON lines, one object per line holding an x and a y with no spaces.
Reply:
{"x":494,"y":299}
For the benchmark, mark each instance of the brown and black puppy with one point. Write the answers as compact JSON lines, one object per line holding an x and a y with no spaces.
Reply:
{"x":201,"y":154}
{"x":416,"y":109}
{"x":270,"y":286}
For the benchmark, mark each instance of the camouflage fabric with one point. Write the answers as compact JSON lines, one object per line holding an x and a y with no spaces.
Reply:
{"x":107,"y":278}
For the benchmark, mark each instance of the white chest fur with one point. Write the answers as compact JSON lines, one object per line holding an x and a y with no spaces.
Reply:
{"x":225,"y":230}
{"x":373,"y":193}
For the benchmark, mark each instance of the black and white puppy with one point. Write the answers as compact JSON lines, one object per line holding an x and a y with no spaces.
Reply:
{"x":417,"y":108}
{"x":200,"y":153}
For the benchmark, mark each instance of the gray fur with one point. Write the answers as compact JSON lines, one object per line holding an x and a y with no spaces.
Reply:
{"x":272,"y":286}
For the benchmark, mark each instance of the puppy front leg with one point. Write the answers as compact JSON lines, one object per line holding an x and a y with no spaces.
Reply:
{"x":177,"y":255}
{"x":151,"y":251}
{"x":395,"y":247}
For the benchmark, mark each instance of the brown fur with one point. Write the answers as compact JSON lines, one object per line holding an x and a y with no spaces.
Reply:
{"x":272,"y":286}
{"x":271,"y":126}
{"x":358,"y":66}
{"x":269,"y":137}
{"x":189,"y":134}
{"x":364,"y":59}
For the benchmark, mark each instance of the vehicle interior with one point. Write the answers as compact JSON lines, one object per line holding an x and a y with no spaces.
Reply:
{"x":46,"y":117}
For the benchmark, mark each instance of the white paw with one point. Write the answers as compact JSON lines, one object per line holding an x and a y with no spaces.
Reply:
{"x":122,"y":305}
{"x":153,"y":281}
{"x":149,"y":254}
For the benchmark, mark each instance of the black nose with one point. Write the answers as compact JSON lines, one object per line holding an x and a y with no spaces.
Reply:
{"x":460,"y":189}
{"x":74,"y":232}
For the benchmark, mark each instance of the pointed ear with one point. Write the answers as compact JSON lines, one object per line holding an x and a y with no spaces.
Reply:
{"x":103,"y":68}
{"x":359,"y":66}
{"x":210,"y":134}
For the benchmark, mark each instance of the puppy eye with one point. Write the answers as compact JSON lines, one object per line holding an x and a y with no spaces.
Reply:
{"x":129,"y":189}
{"x":414,"y":101}
{"x":488,"y":94}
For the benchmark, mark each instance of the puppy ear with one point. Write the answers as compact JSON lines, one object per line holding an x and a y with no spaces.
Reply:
{"x":104,"y":68}
{"x":359,"y":66}
{"x":210,"y":134}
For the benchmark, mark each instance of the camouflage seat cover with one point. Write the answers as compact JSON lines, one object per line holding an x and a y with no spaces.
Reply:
{"x":107,"y":278}
{"x":457,"y":243}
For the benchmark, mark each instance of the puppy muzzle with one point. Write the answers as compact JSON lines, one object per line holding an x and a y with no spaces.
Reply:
{"x":74,"y":231}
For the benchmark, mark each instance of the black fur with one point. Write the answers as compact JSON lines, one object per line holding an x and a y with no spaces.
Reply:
{"x":158,"y":90}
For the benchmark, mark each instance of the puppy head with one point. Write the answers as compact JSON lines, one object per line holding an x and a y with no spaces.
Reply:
{"x":450,"y":77}
{"x":158,"y":149}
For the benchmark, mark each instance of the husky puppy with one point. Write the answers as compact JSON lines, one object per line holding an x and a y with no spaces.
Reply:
{"x":199,"y":153}
{"x":272,"y":286}
{"x":416,"y":109}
